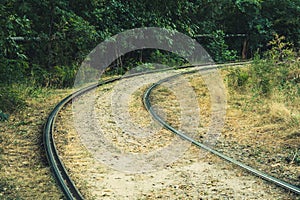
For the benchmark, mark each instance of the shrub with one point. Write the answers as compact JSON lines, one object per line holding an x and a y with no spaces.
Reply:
{"x":63,"y":76}
{"x":280,"y":50}
{"x":11,"y":99}
{"x":166,"y":58}
{"x":261,"y":74}
{"x":238,"y":78}
{"x":59,"y":76}
{"x":219,"y":49}
{"x":277,"y":71}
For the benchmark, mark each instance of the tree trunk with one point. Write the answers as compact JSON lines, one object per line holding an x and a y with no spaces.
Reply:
{"x":245,"y":48}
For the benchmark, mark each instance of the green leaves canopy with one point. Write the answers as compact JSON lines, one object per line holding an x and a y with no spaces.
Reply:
{"x":61,"y":33}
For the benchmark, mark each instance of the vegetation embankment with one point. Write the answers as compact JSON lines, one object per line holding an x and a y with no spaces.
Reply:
{"x":43,"y":43}
{"x":263,"y":108}
{"x":264,"y":97}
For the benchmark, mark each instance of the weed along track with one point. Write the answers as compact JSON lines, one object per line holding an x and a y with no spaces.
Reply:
{"x":263,"y":175}
{"x":74,"y":158}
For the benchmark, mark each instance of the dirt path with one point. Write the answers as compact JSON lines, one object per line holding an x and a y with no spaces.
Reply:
{"x":127,"y":168}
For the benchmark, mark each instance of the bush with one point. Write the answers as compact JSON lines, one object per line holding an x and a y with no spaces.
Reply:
{"x":166,"y":58}
{"x":63,"y":76}
{"x":280,"y":50}
{"x":11,"y":99}
{"x":238,"y":78}
{"x":12,"y":71}
{"x":279,"y":71}
{"x":261,"y":74}
{"x":59,"y":76}
{"x":219,"y":49}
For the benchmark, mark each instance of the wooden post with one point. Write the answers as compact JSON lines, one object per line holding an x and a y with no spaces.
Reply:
{"x":245,"y":48}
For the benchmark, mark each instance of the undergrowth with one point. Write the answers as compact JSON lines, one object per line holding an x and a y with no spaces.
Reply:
{"x":273,"y":81}
{"x":13,"y":97}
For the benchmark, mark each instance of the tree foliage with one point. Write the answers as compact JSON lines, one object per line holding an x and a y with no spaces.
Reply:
{"x":58,"y":34}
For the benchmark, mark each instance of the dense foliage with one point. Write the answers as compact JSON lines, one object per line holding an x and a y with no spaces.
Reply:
{"x":277,"y":73}
{"x":43,"y":42}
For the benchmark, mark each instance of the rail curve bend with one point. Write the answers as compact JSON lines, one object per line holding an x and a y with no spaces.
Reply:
{"x":60,"y":172}
{"x":147,"y":104}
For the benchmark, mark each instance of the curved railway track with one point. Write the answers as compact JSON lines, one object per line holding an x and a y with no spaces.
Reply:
{"x":147,"y":103}
{"x":60,"y":172}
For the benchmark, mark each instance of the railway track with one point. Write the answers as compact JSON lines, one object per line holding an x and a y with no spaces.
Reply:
{"x":147,"y":103}
{"x":60,"y":172}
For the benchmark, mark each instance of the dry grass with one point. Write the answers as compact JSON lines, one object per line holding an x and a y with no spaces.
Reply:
{"x":24,"y":167}
{"x":75,"y":156}
{"x":279,"y":112}
{"x":262,"y":132}
{"x":136,"y":110}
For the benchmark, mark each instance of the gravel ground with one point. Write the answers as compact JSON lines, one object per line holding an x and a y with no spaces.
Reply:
{"x":129,"y":156}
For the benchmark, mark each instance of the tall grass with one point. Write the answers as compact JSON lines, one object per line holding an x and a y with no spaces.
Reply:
{"x":272,"y":80}
{"x":278,"y":70}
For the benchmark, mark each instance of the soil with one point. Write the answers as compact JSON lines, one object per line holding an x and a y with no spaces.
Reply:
{"x":24,"y":170}
{"x":111,"y":155}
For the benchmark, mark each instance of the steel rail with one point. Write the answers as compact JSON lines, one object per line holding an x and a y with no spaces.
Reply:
{"x":147,"y":104}
{"x":58,"y":169}
{"x":60,"y":172}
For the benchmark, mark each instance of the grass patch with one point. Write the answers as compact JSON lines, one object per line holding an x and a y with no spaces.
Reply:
{"x":7,"y":189}
{"x":263,"y":111}
{"x":14,"y":97}
{"x":22,"y":155}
